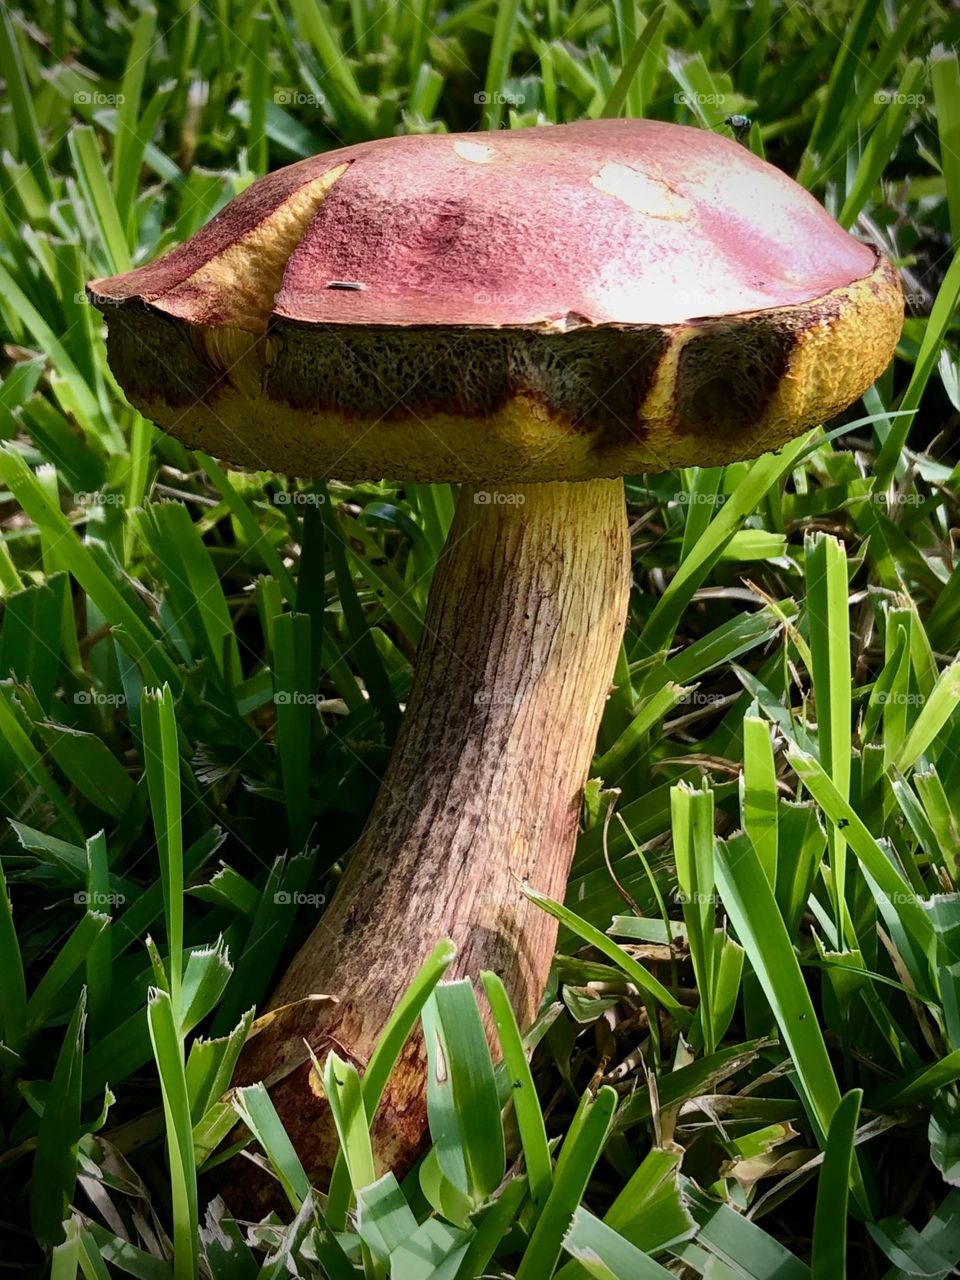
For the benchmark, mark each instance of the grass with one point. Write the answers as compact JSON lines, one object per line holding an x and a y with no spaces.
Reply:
{"x":748,"y":1062}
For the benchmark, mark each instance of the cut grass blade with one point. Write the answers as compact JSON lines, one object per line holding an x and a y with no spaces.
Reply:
{"x":581,"y":1150}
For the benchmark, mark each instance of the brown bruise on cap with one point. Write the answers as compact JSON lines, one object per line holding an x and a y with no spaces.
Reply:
{"x":454,"y":308}
{"x":707,"y":393}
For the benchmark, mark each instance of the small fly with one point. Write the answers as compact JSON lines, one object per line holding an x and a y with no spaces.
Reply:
{"x":739,"y":126}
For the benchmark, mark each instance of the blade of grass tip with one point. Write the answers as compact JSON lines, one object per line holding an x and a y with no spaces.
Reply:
{"x":581,"y":1150}
{"x":498,"y":66}
{"x":168,"y":1053}
{"x":629,"y":83}
{"x":55,"y":1162}
{"x":161,"y":753}
{"x":492,"y":1231}
{"x":941,"y":317}
{"x":604,"y":1253}
{"x":945,"y":78}
{"x":830,"y":1227}
{"x":691,"y":815}
{"x":65,"y":1260}
{"x":255,"y":1108}
{"x":382,"y":1061}
{"x":644,"y":719}
{"x":828,"y":611}
{"x":341,"y":1085}
{"x":526,"y":1105}
{"x":645,"y":982}
{"x":758,"y":793}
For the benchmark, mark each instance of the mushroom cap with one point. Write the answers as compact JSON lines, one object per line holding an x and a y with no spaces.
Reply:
{"x":556,"y":303}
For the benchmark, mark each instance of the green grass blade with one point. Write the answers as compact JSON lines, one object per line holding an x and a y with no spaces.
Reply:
{"x":533,"y":1133}
{"x":168,"y":1053}
{"x":255,"y":1108}
{"x":830,"y":1230}
{"x":392,"y":1039}
{"x":55,"y":1162}
{"x":750,"y":903}
{"x":162,"y":765}
{"x":581,"y":1151}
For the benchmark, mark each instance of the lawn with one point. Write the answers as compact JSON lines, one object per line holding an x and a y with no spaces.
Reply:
{"x":747,"y":1060}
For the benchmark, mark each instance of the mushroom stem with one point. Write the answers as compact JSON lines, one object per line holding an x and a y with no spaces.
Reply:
{"x":481,"y":797}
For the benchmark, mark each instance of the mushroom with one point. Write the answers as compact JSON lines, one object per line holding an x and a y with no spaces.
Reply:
{"x":533,"y":315}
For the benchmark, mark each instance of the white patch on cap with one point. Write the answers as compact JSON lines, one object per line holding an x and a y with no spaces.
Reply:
{"x":642,"y":193}
{"x":476,"y":152}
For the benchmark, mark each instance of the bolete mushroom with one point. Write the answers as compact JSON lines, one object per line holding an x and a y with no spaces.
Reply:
{"x":533,"y":315}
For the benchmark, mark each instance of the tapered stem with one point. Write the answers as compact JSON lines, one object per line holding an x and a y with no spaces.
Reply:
{"x":481,"y":796}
